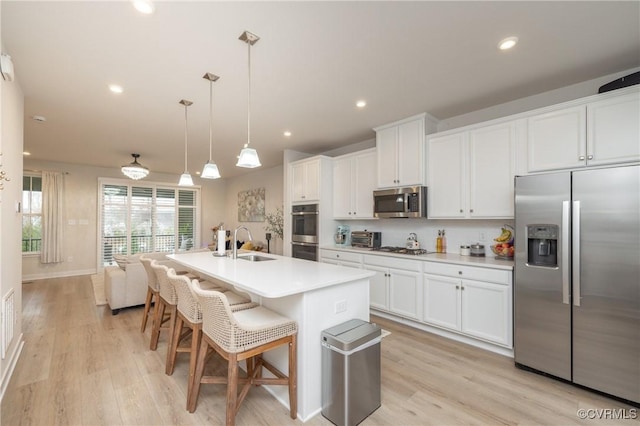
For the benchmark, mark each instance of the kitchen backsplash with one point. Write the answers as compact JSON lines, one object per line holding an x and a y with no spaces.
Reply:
{"x":458,"y":232}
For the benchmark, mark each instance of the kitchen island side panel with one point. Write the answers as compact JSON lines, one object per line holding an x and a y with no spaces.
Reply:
{"x":314,"y":311}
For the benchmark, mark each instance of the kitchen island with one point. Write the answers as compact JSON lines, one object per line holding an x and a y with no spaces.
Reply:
{"x":316,"y":295}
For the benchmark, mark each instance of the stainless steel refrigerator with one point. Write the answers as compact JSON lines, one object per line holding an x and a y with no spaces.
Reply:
{"x":577,"y":277}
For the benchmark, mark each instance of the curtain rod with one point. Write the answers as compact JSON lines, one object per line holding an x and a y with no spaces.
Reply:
{"x":40,"y":171}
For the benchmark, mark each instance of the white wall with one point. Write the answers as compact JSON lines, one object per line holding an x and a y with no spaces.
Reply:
{"x":272,"y":180}
{"x":11,"y":142}
{"x":552,"y":97}
{"x":458,"y":232}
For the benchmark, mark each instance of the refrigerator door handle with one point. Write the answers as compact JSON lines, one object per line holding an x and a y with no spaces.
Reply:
{"x":576,"y":253}
{"x":565,"y":252}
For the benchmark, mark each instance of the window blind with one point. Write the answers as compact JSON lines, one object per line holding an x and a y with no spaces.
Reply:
{"x":139,"y":218}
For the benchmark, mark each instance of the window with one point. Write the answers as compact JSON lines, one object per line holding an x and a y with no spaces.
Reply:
{"x":139,"y":218}
{"x":31,"y":214}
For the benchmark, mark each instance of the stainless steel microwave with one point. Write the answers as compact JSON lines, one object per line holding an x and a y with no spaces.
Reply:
{"x":409,"y":201}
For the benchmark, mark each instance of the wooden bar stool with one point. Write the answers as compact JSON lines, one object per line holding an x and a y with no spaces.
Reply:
{"x":153,"y":291}
{"x":165,"y":309}
{"x":153,"y":288}
{"x":243,"y":335}
{"x":189,"y":322}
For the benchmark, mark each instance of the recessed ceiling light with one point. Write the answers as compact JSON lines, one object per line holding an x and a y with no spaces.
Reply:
{"x":26,"y":153}
{"x":144,"y":6}
{"x":361,"y":104}
{"x":39,"y":118}
{"x":115,"y":88}
{"x":507,"y":43}
{"x":287,"y":133}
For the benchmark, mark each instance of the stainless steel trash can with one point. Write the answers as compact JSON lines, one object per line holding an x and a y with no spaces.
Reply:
{"x":350,"y":371}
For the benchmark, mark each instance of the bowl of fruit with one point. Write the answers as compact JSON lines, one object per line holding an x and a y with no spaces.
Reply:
{"x":503,"y":250}
{"x":503,"y":247}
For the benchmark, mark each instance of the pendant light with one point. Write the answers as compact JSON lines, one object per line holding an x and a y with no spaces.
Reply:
{"x":248,"y":156}
{"x":185,"y":178}
{"x":210,"y":170}
{"x":135,"y":170}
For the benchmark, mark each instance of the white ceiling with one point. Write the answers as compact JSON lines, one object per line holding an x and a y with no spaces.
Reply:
{"x":314,"y":60}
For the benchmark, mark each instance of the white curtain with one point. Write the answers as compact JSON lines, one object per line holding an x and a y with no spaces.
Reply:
{"x":52,"y":217}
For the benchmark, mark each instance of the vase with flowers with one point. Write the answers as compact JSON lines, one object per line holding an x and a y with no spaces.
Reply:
{"x":274,"y":224}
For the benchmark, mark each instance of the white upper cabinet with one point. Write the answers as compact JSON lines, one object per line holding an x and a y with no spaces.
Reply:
{"x":305,"y":178}
{"x":595,"y":132}
{"x":492,"y":161}
{"x":557,"y":139}
{"x":471,"y":173}
{"x":400,"y":148}
{"x":447,"y":192}
{"x":354,"y":178}
{"x":613,"y":130}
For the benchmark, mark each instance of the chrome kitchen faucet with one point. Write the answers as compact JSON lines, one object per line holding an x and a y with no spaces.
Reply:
{"x":235,"y":239}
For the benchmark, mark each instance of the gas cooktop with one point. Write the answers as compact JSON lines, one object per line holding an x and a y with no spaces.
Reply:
{"x":402,"y":250}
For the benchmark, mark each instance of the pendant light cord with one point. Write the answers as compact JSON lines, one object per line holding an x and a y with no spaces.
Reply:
{"x":210,"y":118}
{"x":249,"y":94}
{"x":185,"y":138}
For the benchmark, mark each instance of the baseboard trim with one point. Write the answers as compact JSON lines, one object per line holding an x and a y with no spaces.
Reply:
{"x":445,"y":333}
{"x":13,"y":361}
{"x":61,"y":274}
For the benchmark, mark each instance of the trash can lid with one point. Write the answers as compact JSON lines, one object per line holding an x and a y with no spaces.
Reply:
{"x":351,"y":334}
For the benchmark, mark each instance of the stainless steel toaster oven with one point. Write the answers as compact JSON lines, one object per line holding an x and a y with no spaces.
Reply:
{"x":366,"y":239}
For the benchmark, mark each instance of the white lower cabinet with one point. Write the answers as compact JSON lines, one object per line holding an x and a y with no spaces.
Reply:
{"x":442,"y":301}
{"x":337,"y":257}
{"x":397,"y":285}
{"x":476,"y":308}
{"x":378,"y":288}
{"x":472,"y":301}
{"x":486,"y":311}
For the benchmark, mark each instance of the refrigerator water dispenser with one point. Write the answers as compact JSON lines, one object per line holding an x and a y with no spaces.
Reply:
{"x":542,"y":245}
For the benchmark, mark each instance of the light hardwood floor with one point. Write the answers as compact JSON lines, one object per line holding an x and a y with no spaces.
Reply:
{"x":82,"y":366}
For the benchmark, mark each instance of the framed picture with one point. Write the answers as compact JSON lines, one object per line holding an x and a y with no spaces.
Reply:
{"x":251,"y":205}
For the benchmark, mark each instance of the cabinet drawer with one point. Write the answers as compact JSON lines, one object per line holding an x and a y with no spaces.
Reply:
{"x":341,"y":255}
{"x":468,"y":272}
{"x":393,"y":262}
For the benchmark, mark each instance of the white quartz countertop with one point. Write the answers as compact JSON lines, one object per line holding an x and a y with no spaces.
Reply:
{"x":488,"y":261}
{"x":281,"y":277}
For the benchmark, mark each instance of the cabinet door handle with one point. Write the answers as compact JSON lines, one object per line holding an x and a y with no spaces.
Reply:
{"x":337,"y":255}
{"x":462,"y":288}
{"x":457,"y":287}
{"x":581,"y":158}
{"x":471,"y":210}
{"x":461,"y":211}
{"x":590,"y":157}
{"x":459,"y":272}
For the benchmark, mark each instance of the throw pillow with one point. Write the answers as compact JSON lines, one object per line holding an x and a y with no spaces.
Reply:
{"x":121,"y":261}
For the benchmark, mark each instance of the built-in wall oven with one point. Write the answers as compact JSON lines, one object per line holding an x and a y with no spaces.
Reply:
{"x":304,"y":233}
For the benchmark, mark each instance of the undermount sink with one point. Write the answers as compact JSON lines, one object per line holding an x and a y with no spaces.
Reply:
{"x":255,"y":258}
